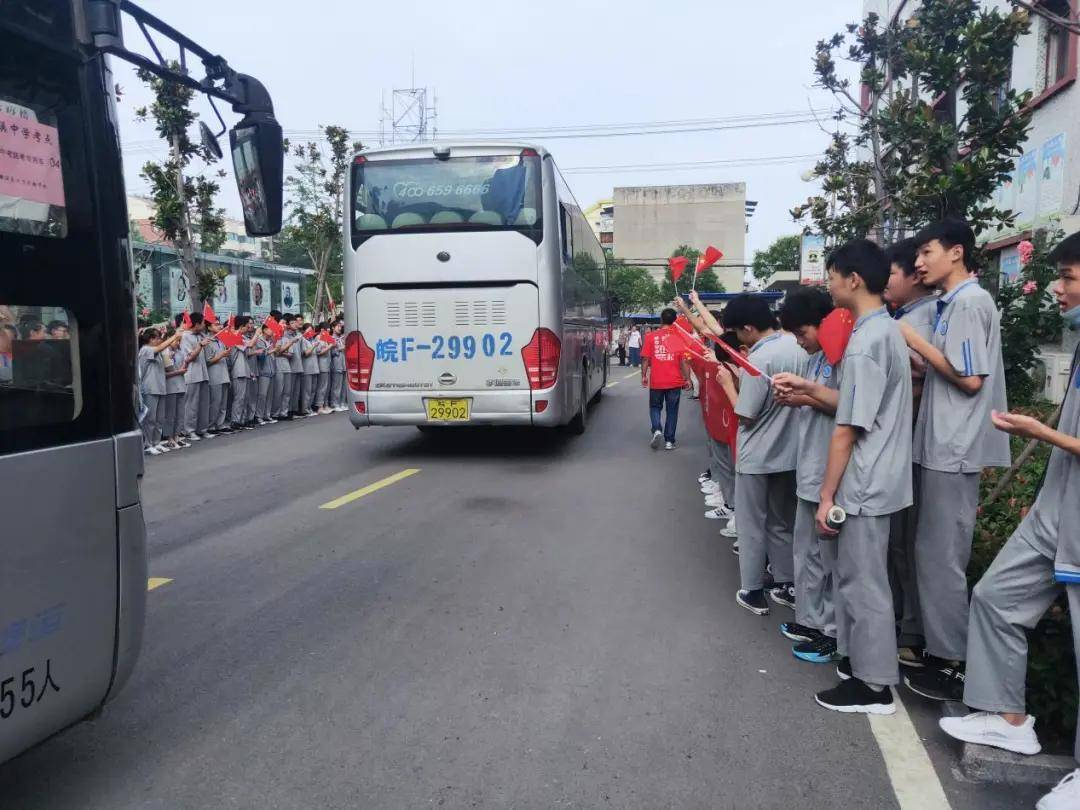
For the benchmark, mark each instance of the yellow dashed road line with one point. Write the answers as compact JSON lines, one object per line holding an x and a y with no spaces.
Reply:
{"x":360,"y":493}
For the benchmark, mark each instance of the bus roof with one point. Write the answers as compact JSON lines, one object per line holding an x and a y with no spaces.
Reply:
{"x":463,"y":147}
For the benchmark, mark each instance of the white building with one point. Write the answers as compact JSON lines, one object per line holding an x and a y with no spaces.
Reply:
{"x":237,"y":242}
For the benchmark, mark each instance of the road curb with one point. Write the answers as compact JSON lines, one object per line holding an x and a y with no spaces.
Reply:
{"x":984,"y":763}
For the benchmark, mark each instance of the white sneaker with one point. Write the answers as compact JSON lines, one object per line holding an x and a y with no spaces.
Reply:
{"x":701,"y":479}
{"x":1066,"y":796}
{"x":164,"y":448}
{"x":730,"y":530}
{"x":657,"y":437}
{"x":669,"y":445}
{"x":716,"y":514}
{"x":152,"y":451}
{"x":988,"y":728}
{"x":193,"y":437}
{"x":722,"y":508}
{"x":710,"y":487}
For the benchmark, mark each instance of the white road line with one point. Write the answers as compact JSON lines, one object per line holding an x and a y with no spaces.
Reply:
{"x":914,"y":780}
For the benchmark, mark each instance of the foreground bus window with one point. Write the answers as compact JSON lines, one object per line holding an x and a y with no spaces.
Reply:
{"x":38,"y":366}
{"x":31,"y":177}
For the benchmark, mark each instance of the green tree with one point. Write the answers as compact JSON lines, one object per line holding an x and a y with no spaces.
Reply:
{"x":315,"y":200}
{"x":938,"y":122}
{"x":783,"y":254}
{"x":633,"y":288}
{"x":184,"y":202}
{"x":706,"y":281}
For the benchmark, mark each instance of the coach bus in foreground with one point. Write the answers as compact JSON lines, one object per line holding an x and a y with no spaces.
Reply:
{"x":475,"y":290}
{"x":72,"y":537}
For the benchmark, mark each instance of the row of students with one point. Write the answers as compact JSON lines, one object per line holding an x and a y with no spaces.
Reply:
{"x":897,"y":434}
{"x":195,"y":386}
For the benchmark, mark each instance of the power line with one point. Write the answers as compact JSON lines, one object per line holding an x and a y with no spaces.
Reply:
{"x":775,"y":160}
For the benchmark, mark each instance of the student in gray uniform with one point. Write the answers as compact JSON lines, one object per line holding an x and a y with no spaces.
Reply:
{"x":217,"y":368}
{"x":913,"y":303}
{"x":337,"y":368}
{"x":152,"y":387}
{"x":765,"y":455}
{"x":196,"y":380}
{"x":239,"y":373}
{"x":322,"y":356}
{"x":296,"y":368}
{"x":252,"y":352}
{"x":868,"y":475}
{"x":310,"y":379}
{"x":283,"y":369}
{"x":174,"y":398}
{"x":954,"y":440}
{"x":1040,"y":559}
{"x":814,"y":397}
{"x":267,"y":391}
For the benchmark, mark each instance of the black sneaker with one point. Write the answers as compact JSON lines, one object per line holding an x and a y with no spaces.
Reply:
{"x":705,"y":476}
{"x":912,"y":657}
{"x":821,"y":650}
{"x":843,"y":669}
{"x":799,"y":632}
{"x":943,"y":680}
{"x":286,"y":418}
{"x":855,"y":697}
{"x":754,"y":601}
{"x":783,"y":594}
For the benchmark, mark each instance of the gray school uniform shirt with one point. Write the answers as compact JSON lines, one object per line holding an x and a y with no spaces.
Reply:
{"x":875,"y":396}
{"x":174,"y":384}
{"x":219,"y":372}
{"x":151,"y":371}
{"x":324,"y":359}
{"x":768,"y":443}
{"x":920,"y":313}
{"x":283,"y":362}
{"x":1057,"y":507}
{"x":266,"y":363}
{"x":311,"y":362}
{"x":953,"y":432}
{"x":815,"y":432}
{"x":196,"y":370}
{"x":238,"y":363}
{"x":296,"y":359}
{"x":337,"y":356}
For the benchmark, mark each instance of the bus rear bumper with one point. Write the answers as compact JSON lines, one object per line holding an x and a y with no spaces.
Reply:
{"x":487,"y":408}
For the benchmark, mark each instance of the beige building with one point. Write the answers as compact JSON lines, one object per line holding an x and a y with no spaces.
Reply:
{"x":652,"y":221}
{"x":601,"y":218}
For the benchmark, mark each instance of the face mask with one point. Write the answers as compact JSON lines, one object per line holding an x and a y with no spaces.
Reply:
{"x":1072,"y":317}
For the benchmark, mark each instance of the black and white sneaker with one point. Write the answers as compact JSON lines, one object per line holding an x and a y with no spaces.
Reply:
{"x":735,"y":548}
{"x":843,"y":669}
{"x":705,"y":476}
{"x":656,"y":440}
{"x":754,"y":601}
{"x":855,"y":697}
{"x":783,"y":593}
{"x":799,"y":632}
{"x":912,"y":657}
{"x":942,"y":680}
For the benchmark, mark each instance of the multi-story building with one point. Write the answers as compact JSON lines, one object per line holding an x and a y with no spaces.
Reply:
{"x":652,"y":221}
{"x":237,"y":242}
{"x":601,"y":218}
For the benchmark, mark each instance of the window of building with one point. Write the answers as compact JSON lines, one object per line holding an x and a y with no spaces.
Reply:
{"x":1055,"y":43}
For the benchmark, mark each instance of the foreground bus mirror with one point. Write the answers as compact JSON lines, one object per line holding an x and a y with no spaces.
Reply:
{"x":259,"y":161}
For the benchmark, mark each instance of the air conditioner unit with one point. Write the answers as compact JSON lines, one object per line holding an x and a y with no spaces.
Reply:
{"x":1057,"y":375}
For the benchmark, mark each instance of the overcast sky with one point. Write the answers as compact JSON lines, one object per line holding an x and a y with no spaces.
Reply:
{"x":537,"y":66}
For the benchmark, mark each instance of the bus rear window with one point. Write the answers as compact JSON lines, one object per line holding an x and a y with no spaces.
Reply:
{"x":493,"y":192}
{"x":31,"y":173}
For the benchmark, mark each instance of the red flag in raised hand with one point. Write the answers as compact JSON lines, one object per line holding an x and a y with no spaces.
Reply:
{"x":186,"y":320}
{"x":741,"y":361}
{"x":835,"y":332}
{"x":711,"y":257}
{"x":231,"y":323}
{"x":325,"y":337}
{"x":272,"y":324}
{"x":678,"y":266}
{"x":230,"y":338}
{"x":310,"y":333}
{"x":684,"y":324}
{"x":208,"y":313}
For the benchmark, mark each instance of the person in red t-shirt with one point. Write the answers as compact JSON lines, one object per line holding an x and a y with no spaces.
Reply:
{"x":665,"y":371}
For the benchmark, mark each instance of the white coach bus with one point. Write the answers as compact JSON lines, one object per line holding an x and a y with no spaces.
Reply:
{"x":475,"y":290}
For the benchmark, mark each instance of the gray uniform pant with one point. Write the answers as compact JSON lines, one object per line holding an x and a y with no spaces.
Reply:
{"x":946,"y":523}
{"x":219,"y":404}
{"x":765,"y":505}
{"x":263,"y":397}
{"x":865,"y":624}
{"x":344,"y":395}
{"x":323,"y":389}
{"x":1014,"y":593}
{"x":239,"y":400}
{"x":168,"y":419}
{"x":154,"y":418}
{"x":902,"y":570}
{"x":280,"y":394}
{"x":336,"y":378}
{"x":197,"y":407}
{"x":722,"y":468}
{"x":251,"y":399}
{"x":813,"y":573}
{"x":308,"y":390}
{"x":296,"y":380}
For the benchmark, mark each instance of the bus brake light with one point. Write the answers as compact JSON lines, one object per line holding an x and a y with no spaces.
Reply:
{"x":359,"y":359}
{"x":541,"y":357}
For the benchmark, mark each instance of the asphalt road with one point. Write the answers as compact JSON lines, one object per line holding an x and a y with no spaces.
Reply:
{"x":531,"y":621}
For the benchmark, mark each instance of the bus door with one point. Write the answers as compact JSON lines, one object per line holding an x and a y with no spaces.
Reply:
{"x":60,"y":343}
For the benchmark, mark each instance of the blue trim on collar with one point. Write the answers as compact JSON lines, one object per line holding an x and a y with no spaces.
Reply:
{"x":948,"y":297}
{"x":910,"y":307}
{"x":869,"y":315}
{"x":763,"y":341}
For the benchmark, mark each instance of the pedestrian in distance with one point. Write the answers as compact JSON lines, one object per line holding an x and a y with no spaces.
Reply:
{"x":1038,"y":562}
{"x":621,"y":348}
{"x":867,"y":475}
{"x":633,"y":345}
{"x":665,"y":372}
{"x":954,"y":440}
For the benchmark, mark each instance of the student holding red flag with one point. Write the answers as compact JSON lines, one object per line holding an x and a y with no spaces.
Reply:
{"x":664,"y":371}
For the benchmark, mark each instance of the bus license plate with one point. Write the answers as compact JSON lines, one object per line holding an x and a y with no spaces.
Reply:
{"x":447,"y":410}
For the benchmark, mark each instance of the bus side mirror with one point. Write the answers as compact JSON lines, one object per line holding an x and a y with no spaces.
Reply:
{"x":259,"y":162}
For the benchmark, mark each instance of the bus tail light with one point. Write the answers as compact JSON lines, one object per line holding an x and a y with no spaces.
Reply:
{"x":541,"y":357}
{"x":359,"y":359}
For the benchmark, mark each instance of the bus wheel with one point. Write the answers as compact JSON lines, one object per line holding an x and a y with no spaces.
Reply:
{"x":581,"y":420}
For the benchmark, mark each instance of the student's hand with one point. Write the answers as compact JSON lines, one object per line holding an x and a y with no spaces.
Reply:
{"x":911,"y":335}
{"x":687,"y":386}
{"x":710,"y":356}
{"x":695,"y":299}
{"x":786,"y":383}
{"x":1026,"y":427}
{"x":822,"y":516}
{"x":680,"y":304}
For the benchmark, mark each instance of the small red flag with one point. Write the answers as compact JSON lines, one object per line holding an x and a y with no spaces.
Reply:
{"x":272,"y":323}
{"x":310,"y":333}
{"x":711,"y":257}
{"x":186,"y":320}
{"x":835,"y":332}
{"x":230,"y":338}
{"x":208,"y":313}
{"x":678,"y":266}
{"x":325,"y":337}
{"x":231,"y":323}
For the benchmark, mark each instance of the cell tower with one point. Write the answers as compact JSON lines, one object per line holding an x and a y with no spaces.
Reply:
{"x":409,"y":118}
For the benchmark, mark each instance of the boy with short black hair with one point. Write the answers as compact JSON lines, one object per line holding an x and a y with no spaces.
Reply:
{"x":868,"y":475}
{"x":1041,"y":558}
{"x":197,"y":396}
{"x":765,"y":456}
{"x":814,"y":398}
{"x":954,"y":441}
